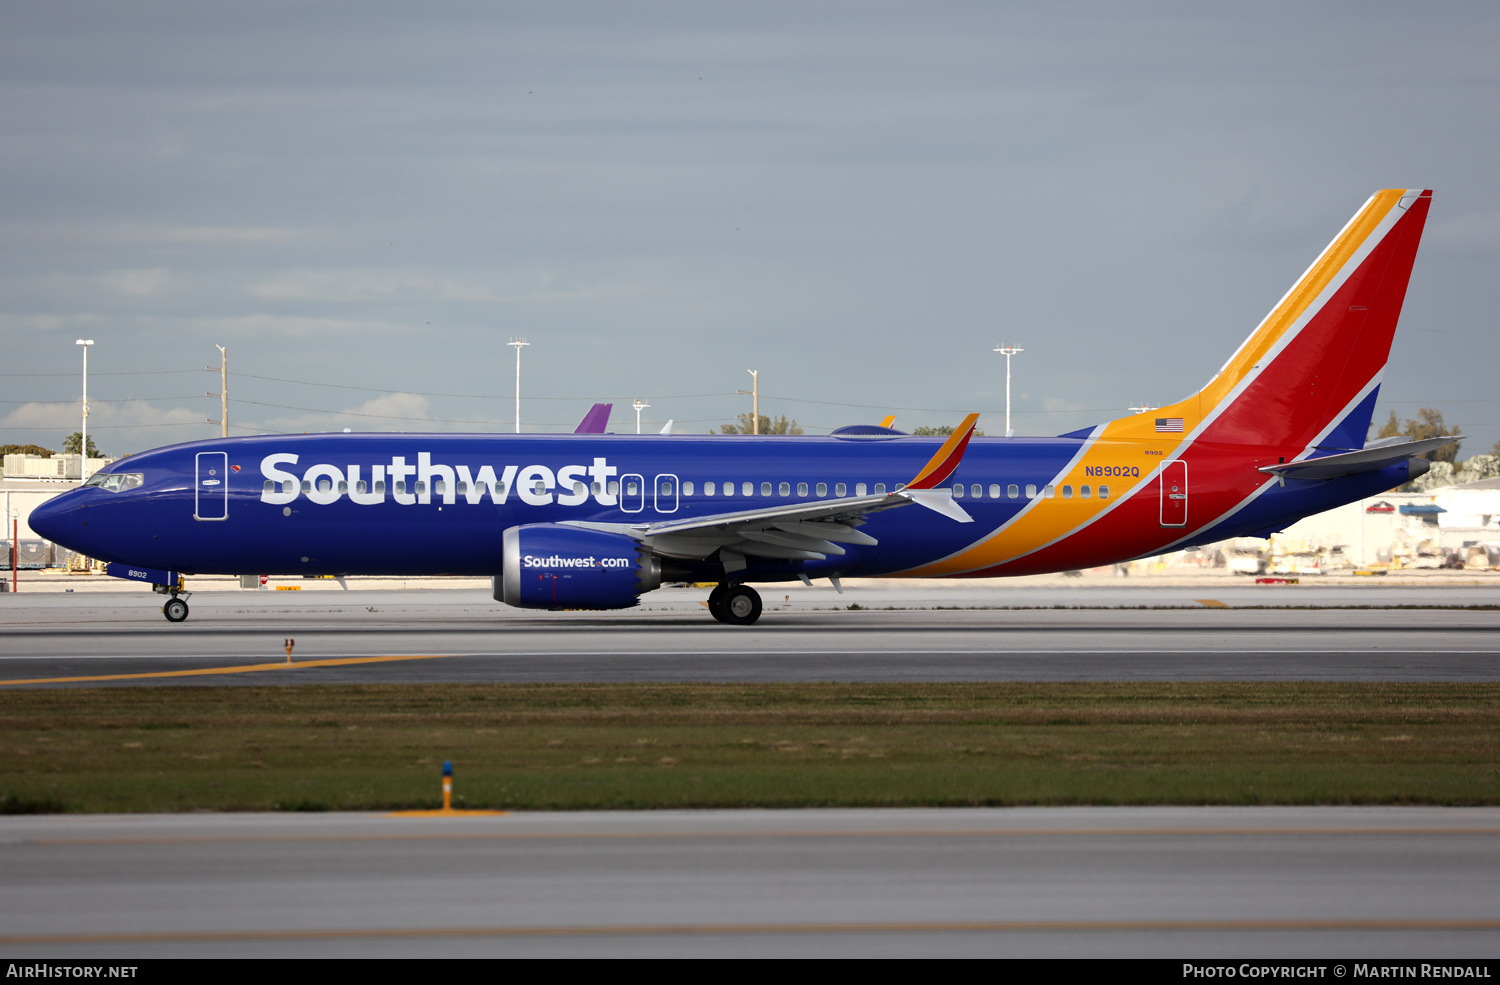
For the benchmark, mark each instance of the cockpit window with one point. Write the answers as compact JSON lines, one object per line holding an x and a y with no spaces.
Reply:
{"x":117,"y":481}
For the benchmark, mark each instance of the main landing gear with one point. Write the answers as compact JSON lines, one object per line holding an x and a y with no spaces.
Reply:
{"x":737,"y":605}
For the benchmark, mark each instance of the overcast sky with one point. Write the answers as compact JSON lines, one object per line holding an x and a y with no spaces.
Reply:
{"x":858,"y":200}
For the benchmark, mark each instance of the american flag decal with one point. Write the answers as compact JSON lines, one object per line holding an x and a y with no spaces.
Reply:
{"x":1169,"y":425}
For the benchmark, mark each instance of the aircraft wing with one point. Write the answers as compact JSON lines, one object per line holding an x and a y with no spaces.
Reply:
{"x":1371,"y":458}
{"x":798,"y":531}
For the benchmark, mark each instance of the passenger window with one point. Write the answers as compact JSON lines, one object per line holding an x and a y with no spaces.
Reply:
{"x":306,"y":486}
{"x":841,"y":490}
{"x":362,"y":487}
{"x":380,"y":488}
{"x":343,"y":487}
{"x":630,"y":488}
{"x":1050,"y":491}
{"x":614,"y":488}
{"x":976,"y":490}
{"x":1067,"y":492}
{"x":765,"y":489}
{"x":785,"y":489}
{"x":1012,"y":490}
{"x":859,"y":489}
{"x":958,"y":490}
{"x":822,"y":489}
{"x":269,"y":487}
{"x":708,"y":489}
{"x":687,"y":488}
{"x":664,"y":489}
{"x":801,"y":489}
{"x":1031,"y":490}
{"x":1103,"y":492}
{"x":1083,"y":492}
{"x":422,"y":487}
{"x":462,"y":487}
{"x":880,"y":488}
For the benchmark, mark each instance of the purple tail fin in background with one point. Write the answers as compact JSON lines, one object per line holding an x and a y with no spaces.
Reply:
{"x":596,"y":420}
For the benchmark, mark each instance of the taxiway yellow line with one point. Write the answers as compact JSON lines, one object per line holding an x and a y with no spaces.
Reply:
{"x":700,"y":929}
{"x":245,"y":669}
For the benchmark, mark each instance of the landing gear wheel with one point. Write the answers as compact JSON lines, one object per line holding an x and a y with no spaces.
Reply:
{"x":741,"y":606}
{"x":175,"y":610}
{"x":716,"y":603}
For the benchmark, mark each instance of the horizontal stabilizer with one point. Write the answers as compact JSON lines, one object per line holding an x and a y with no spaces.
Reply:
{"x":1371,"y":458}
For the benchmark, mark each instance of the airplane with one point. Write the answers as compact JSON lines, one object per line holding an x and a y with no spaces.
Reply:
{"x":589,"y":521}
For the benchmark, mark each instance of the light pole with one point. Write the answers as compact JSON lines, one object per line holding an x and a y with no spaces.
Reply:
{"x":1007,"y":351}
{"x":223,"y":393}
{"x":517,"y":344}
{"x":638,"y":408}
{"x":83,"y":433}
{"x":754,"y":392}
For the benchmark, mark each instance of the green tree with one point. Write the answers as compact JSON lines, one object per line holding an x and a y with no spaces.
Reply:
{"x":70,"y":445}
{"x":26,"y":450}
{"x":1428,"y":424}
{"x":943,"y":430}
{"x":767,"y":426}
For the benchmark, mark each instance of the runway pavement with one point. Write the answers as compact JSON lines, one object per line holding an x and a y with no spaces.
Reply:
{"x":1163,"y":882}
{"x":1429,"y":634}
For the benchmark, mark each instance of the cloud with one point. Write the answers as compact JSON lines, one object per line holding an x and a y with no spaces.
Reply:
{"x":114,"y":426}
{"x":148,"y":234}
{"x":366,"y":284}
{"x":138,"y":283}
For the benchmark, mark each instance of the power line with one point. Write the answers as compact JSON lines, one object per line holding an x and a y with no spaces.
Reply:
{"x":113,"y":400}
{"x":144,"y":372}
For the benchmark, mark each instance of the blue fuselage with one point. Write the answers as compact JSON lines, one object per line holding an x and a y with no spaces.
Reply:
{"x":419,"y":504}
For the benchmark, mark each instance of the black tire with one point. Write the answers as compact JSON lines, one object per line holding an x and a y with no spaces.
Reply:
{"x":741,"y":606}
{"x":175,"y":610}
{"x":716,"y":603}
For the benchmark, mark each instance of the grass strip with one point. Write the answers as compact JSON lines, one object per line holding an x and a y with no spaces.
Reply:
{"x":642,"y":746}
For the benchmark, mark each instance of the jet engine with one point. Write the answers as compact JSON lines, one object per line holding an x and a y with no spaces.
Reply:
{"x":557,"y":566}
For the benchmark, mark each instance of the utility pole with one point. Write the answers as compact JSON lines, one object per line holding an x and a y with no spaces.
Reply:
{"x":638,"y":408}
{"x":754,"y":392}
{"x":1007,"y":351}
{"x":223,"y":393}
{"x":83,"y":433}
{"x":517,"y":344}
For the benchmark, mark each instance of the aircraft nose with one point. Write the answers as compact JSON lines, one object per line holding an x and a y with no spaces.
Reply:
{"x":55,"y":520}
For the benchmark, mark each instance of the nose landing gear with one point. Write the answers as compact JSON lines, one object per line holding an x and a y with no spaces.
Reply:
{"x":175,"y":609}
{"x":737,"y":605}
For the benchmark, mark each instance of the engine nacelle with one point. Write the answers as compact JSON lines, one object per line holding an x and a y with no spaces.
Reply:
{"x":555,"y":566}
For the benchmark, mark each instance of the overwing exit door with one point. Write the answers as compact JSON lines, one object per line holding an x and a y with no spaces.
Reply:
{"x":1174,"y":494}
{"x":211,"y":500}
